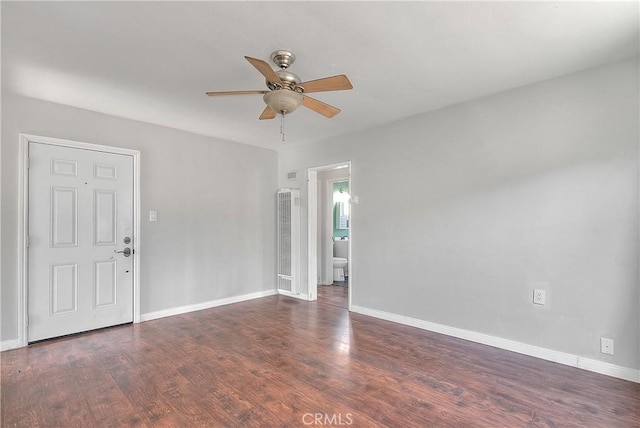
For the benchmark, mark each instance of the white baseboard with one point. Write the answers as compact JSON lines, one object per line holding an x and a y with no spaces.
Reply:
{"x":205,"y":305}
{"x":15,"y":343}
{"x":509,"y":345}
{"x":5,"y":345}
{"x":297,"y":296}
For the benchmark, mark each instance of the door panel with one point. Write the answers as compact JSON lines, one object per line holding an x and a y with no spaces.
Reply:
{"x":64,"y":288}
{"x":104,"y":217}
{"x":80,"y":211}
{"x":64,"y":217}
{"x":104,"y":282}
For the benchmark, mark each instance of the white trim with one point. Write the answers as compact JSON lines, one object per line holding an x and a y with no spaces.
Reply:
{"x":205,"y":305}
{"x":137,"y":213}
{"x":23,"y":232}
{"x":78,"y":144}
{"x":301,"y":296}
{"x":6,"y":345}
{"x":351,"y":223}
{"x":509,"y":345}
{"x":312,"y":235}
{"x":312,"y":247}
{"x":23,"y":221}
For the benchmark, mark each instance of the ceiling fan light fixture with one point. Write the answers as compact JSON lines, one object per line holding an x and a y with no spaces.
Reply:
{"x":283,"y":101}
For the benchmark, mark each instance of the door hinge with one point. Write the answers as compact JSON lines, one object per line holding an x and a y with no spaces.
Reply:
{"x":28,"y":163}
{"x":27,"y":241}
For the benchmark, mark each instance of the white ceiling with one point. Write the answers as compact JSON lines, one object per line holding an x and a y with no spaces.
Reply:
{"x":153,"y":61}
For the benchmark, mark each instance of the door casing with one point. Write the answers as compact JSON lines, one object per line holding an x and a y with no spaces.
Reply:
{"x":313,"y":201}
{"x":23,"y":222}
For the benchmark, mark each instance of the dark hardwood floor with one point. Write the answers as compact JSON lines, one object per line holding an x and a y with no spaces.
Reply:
{"x":335,"y":295}
{"x":279,"y":361}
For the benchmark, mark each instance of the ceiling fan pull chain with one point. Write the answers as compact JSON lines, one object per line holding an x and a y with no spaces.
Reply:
{"x":282,"y":126}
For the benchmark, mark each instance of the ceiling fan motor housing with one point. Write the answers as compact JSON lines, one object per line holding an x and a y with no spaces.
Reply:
{"x":289,"y":80}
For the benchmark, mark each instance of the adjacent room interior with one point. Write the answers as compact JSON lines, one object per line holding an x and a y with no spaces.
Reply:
{"x":320,"y":213}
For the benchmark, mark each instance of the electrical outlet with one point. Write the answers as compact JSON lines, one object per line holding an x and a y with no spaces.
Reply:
{"x":606,"y":346}
{"x":539,"y":296}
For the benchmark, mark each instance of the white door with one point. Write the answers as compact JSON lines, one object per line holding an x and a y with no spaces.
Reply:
{"x":80,"y":215}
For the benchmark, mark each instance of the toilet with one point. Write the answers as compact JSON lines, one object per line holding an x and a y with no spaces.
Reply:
{"x":340,"y":259}
{"x":338,"y":268}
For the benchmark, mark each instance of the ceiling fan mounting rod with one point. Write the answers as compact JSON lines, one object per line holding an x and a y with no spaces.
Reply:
{"x":288,"y":80}
{"x":283,"y":58}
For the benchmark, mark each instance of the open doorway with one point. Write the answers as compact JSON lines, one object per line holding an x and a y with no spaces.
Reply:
{"x":330,"y":238}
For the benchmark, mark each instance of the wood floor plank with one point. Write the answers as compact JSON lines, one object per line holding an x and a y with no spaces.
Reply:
{"x":105,"y":399}
{"x":335,"y":295}
{"x":279,"y":361}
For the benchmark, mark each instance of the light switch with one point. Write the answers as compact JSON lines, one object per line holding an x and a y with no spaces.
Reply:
{"x":153,"y":215}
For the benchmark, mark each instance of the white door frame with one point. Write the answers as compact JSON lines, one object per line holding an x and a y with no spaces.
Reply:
{"x":328,"y":218}
{"x":23,"y":222}
{"x":312,"y":234}
{"x":312,"y":230}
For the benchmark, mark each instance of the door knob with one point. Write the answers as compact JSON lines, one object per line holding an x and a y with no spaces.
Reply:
{"x":126,"y":252}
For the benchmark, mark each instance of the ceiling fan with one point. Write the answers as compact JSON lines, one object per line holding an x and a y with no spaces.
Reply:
{"x":287,"y":91}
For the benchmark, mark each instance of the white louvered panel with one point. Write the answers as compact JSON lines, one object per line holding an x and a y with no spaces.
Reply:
{"x":288,"y":240}
{"x":284,"y":233}
{"x":284,"y":284}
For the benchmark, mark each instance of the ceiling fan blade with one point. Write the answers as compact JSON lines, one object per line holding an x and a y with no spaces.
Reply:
{"x":334,"y":83}
{"x":265,"y":69}
{"x":319,"y":107}
{"x":267,"y":113}
{"x":216,"y":94}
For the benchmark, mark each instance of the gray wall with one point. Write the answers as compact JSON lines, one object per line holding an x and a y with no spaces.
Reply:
{"x":215,"y":234}
{"x":531,"y":188}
